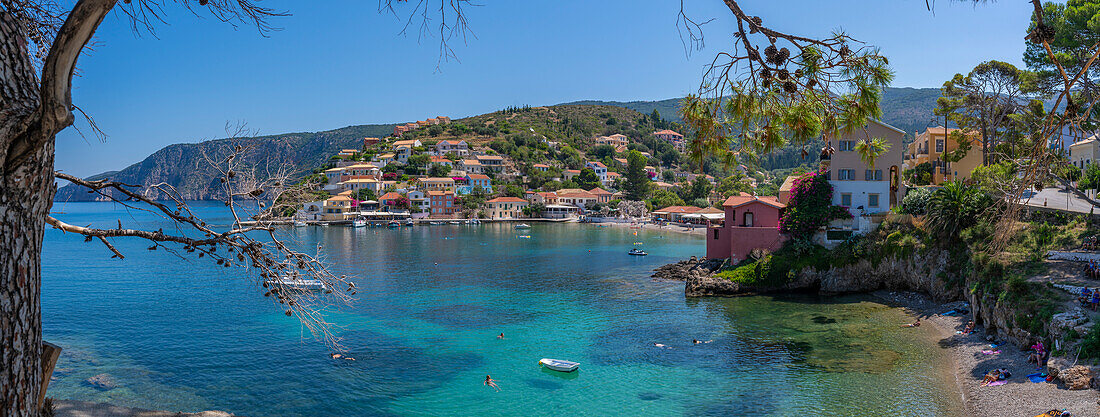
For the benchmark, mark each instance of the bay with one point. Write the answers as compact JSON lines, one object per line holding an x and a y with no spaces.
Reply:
{"x":190,"y":335}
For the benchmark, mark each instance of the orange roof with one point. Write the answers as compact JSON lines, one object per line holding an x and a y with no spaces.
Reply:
{"x":573,"y":171}
{"x":437,"y":159}
{"x":666,"y":132}
{"x":576,"y":194}
{"x":437,"y":192}
{"x":541,"y":166}
{"x":478,"y":176}
{"x":490,"y":157}
{"x":599,"y":191}
{"x":679,"y":209}
{"x":740,"y":200}
{"x":613,"y":174}
{"x":507,"y":200}
{"x":390,"y":196}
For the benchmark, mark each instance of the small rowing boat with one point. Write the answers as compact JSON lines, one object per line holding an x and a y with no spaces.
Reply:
{"x":559,"y":365}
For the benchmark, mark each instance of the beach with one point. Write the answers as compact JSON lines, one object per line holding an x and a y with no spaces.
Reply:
{"x":1018,"y":397}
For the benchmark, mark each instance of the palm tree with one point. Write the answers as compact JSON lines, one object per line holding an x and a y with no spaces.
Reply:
{"x":870,"y":149}
{"x":954,"y":208}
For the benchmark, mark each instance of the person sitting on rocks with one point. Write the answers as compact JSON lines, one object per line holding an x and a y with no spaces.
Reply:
{"x":1038,"y":354}
{"x":969,"y":327}
{"x":1095,"y":299}
{"x":1086,"y":294}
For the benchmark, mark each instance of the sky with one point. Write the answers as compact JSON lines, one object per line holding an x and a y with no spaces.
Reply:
{"x":336,"y":63}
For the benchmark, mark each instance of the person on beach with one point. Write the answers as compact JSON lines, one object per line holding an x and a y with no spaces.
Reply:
{"x":913,"y":324}
{"x":1038,"y":354}
{"x":1095,"y":298}
{"x":969,"y":327}
{"x":490,"y":382}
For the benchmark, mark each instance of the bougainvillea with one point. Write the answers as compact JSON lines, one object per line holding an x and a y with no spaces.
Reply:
{"x":810,"y":207}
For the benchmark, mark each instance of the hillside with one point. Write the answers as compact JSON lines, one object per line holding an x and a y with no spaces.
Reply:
{"x":908,"y":109}
{"x":184,"y":167}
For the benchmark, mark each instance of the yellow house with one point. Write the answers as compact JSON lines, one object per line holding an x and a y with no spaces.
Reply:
{"x":335,"y":208}
{"x":437,"y":183}
{"x":1085,"y":152}
{"x":506,"y":207}
{"x":361,"y":183}
{"x":930,"y":147}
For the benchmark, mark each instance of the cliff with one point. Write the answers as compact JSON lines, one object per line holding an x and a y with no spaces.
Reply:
{"x":185,"y":167}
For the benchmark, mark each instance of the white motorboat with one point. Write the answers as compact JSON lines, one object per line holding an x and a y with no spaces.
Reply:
{"x":637,"y":252}
{"x":523,"y":226}
{"x":296,"y":284}
{"x":359,"y":222}
{"x":455,"y":222}
{"x":559,"y":365}
{"x":299,"y":223}
{"x":408,"y":222}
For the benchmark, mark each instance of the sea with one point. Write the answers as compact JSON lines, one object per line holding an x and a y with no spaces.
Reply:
{"x":171,"y":331}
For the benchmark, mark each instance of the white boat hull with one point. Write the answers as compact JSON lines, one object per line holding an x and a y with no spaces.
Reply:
{"x":559,"y":365}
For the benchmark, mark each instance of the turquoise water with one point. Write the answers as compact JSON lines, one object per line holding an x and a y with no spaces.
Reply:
{"x":189,"y":335}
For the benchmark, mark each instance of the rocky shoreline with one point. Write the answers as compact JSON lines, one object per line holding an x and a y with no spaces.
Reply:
{"x":922,"y":278}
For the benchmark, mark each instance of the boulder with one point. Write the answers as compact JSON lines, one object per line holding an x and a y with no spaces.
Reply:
{"x":102,"y":382}
{"x":1076,"y":378}
{"x":1069,"y":319}
{"x":683,"y":270}
{"x":710,"y":285}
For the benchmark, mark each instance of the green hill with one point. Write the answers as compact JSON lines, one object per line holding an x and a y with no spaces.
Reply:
{"x":908,"y":109}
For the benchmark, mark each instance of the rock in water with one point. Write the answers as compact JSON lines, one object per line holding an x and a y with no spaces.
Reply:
{"x":101,"y":381}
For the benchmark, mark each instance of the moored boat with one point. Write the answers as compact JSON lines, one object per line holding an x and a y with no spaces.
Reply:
{"x":408,"y":222}
{"x":395,"y":224}
{"x":523,"y":226}
{"x":296,"y":284}
{"x":299,"y":223}
{"x":637,"y":252}
{"x":559,"y":365}
{"x":359,"y":222}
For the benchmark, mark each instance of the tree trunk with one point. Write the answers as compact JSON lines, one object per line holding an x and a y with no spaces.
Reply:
{"x":26,"y":194}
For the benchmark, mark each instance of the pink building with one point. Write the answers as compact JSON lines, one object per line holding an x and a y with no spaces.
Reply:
{"x":751,"y":223}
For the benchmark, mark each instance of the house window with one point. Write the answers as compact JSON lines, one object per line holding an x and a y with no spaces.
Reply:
{"x":873,"y":175}
{"x":939,"y":145}
{"x":716,"y":233}
{"x":748,"y":219}
{"x":872,"y":200}
{"x":846,"y":174}
{"x":847,"y":145}
{"x":846,"y":199}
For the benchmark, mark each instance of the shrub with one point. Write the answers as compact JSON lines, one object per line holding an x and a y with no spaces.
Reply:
{"x":916,"y":201}
{"x":956,"y":207}
{"x":810,"y":207}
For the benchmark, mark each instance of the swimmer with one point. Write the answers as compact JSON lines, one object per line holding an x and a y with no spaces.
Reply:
{"x":661,"y":346}
{"x":500,"y":336}
{"x":490,"y":382}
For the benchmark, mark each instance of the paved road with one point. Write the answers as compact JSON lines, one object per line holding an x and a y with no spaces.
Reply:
{"x":1058,"y":199}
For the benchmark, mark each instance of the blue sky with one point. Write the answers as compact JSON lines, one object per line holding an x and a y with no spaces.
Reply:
{"x":339,"y":62}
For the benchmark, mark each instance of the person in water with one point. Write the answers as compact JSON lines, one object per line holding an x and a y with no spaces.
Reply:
{"x":500,"y":336}
{"x":490,"y":382}
{"x":661,"y":345}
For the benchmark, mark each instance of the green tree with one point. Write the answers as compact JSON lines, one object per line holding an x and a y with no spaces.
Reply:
{"x":600,"y":152}
{"x":983,"y":101}
{"x":364,"y":194}
{"x":665,"y":198}
{"x":637,"y":184}
{"x":439,"y":170}
{"x":513,"y":191}
{"x":920,"y":174}
{"x":587,"y":179}
{"x":419,"y":160}
{"x":700,"y":189}
{"x":1090,"y":179}
{"x":733,"y":185}
{"x":1075,"y":27}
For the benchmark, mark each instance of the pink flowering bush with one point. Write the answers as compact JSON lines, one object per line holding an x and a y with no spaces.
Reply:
{"x":810,"y":207}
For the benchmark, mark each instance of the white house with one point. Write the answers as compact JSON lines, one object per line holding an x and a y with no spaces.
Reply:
{"x":444,"y":147}
{"x":506,"y":207}
{"x":600,"y":168}
{"x":419,"y":199}
{"x":864,"y":189}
